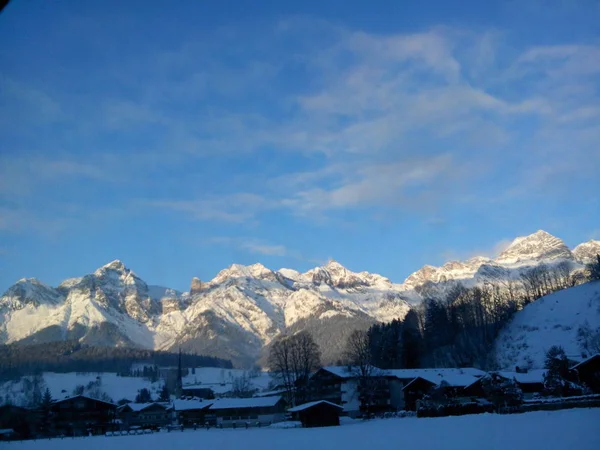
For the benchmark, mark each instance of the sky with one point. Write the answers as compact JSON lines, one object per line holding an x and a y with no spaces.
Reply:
{"x":182,"y":137}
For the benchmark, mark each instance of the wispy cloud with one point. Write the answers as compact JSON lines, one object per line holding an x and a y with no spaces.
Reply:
{"x":239,"y":207}
{"x":376,"y":122}
{"x":251,"y":245}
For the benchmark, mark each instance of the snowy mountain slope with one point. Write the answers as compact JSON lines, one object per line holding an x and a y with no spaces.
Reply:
{"x":552,"y":320}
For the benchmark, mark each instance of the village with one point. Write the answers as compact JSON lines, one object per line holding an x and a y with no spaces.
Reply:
{"x":332,"y":392}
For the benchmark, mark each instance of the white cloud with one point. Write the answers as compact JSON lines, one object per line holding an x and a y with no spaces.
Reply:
{"x":397,"y":121}
{"x":239,"y":207}
{"x":251,"y":245}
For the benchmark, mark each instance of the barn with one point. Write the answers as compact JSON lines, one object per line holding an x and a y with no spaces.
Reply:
{"x":317,"y":414}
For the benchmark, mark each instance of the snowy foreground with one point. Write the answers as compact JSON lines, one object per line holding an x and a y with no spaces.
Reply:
{"x":560,"y":430}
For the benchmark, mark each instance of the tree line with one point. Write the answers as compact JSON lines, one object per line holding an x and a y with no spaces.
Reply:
{"x":459,"y":328}
{"x":17,"y":360}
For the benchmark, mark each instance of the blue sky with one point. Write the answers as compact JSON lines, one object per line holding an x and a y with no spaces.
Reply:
{"x":182,"y":137}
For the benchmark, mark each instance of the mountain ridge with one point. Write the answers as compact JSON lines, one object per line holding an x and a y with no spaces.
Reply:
{"x":243,"y":308}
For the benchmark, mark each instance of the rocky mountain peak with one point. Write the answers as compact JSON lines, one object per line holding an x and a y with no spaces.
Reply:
{"x":540,"y":245}
{"x":30,"y":291}
{"x":196,"y":286}
{"x":425,"y":273}
{"x":587,"y":251}
{"x":114,"y":265}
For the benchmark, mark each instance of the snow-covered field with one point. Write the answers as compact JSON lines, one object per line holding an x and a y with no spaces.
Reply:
{"x":61,"y":385}
{"x":556,"y":430}
{"x":221,"y":380}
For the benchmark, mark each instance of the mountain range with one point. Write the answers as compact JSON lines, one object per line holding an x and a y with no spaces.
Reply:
{"x":241,"y":310}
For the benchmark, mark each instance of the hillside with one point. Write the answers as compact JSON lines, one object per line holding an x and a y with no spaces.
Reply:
{"x":555,"y":319}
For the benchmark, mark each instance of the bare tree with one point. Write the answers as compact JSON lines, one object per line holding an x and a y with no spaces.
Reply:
{"x":292,"y":359}
{"x":241,"y":386}
{"x":359,"y":359}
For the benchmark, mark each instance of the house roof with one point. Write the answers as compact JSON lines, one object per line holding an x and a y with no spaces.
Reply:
{"x":531,"y":376}
{"x":309,"y":405}
{"x":454,"y":377}
{"x":187,"y":405}
{"x":142,"y":406}
{"x":235,"y":403}
{"x":349,"y":371}
{"x":196,"y":386}
{"x":270,"y":393}
{"x":84,"y":397}
{"x":585,"y":361}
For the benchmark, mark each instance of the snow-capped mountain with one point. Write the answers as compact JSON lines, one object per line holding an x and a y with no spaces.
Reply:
{"x":535,"y":247}
{"x":233,"y":315}
{"x":587,"y":252}
{"x":243,"y":308}
{"x":522,"y":254}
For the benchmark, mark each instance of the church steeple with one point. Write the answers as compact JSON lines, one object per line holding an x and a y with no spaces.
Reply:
{"x":179,"y":384}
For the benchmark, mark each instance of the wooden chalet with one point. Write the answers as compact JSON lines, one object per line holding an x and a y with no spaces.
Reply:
{"x":81,"y":415}
{"x":197,"y":392}
{"x":18,"y":422}
{"x":416,"y":383}
{"x":317,"y":414}
{"x":146,"y":415}
{"x":588,"y":372}
{"x":341,"y":385}
{"x":239,"y":411}
{"x":531,"y":382}
{"x":190,"y":412}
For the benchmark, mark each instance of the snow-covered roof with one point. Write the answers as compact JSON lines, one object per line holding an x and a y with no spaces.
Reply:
{"x":83,"y":396}
{"x":531,"y":376}
{"x":197,"y":386}
{"x":141,"y":406}
{"x":220,"y":380}
{"x":308,"y":405}
{"x":349,"y":371}
{"x":186,"y":405}
{"x":454,"y":377}
{"x":597,"y":355}
{"x":235,"y":403}
{"x":270,"y":393}
{"x":5,"y":431}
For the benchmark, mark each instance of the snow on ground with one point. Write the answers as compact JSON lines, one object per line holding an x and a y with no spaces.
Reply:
{"x":221,"y":380}
{"x":551,"y":320}
{"x":61,"y":385}
{"x":548,"y":430}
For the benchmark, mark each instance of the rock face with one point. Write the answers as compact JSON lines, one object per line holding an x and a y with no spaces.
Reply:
{"x":243,"y":308}
{"x":196,"y":286}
